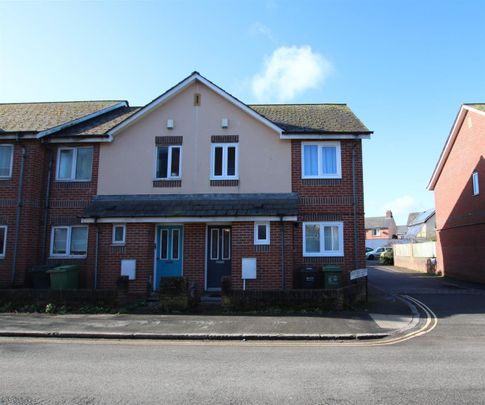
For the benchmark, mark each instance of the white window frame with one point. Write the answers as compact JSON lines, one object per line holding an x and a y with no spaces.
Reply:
{"x":3,"y":253}
{"x":11,"y":160}
{"x":475,"y":184}
{"x":119,"y":242}
{"x":376,"y":232}
{"x":225,"y":147}
{"x":74,"y":164}
{"x":320,"y":174}
{"x":258,"y":241}
{"x":169,"y":163}
{"x":322,"y":252}
{"x":68,"y":242}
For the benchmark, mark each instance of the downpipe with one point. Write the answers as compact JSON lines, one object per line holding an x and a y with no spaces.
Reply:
{"x":18,"y":212}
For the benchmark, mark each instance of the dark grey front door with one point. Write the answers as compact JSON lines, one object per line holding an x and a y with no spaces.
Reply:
{"x":218,"y":255}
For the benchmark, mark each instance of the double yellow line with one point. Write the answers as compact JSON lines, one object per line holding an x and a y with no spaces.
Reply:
{"x":429,"y":324}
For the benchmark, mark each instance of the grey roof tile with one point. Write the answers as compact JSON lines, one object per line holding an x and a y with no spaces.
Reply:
{"x":36,"y":117}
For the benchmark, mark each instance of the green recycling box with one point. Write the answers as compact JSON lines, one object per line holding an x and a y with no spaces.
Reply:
{"x":332,"y":275}
{"x":64,"y":277}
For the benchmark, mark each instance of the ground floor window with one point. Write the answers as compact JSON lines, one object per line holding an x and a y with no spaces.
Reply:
{"x":261,"y":233}
{"x":323,"y":239}
{"x":69,"y":241}
{"x":119,"y":234}
{"x":3,"y":240}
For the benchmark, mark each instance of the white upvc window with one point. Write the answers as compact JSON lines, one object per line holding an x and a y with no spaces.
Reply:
{"x":3,"y":240}
{"x":261,"y":233}
{"x":323,"y":239}
{"x":476,"y":187}
{"x":119,"y":234}
{"x":6,"y":161}
{"x":169,"y":162}
{"x":74,"y":164}
{"x":321,"y":160}
{"x":224,"y":161}
{"x":69,"y":241}
{"x":376,"y":232}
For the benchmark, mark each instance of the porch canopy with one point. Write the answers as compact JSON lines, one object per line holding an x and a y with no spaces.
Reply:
{"x":192,"y":208}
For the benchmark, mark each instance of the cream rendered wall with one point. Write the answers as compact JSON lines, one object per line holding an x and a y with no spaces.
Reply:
{"x":127,"y":165}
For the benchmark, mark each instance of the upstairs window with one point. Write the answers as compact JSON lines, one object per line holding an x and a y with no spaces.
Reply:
{"x":169,"y":159}
{"x":75,"y":164}
{"x":376,"y":232}
{"x":224,"y":161}
{"x":70,"y":241}
{"x":321,"y":160}
{"x":3,"y":240}
{"x":323,"y":239}
{"x":6,"y":160}
{"x":476,"y":187}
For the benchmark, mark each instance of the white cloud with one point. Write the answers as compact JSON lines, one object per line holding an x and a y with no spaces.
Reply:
{"x":402,"y":206}
{"x":259,"y":29}
{"x":288,"y":72}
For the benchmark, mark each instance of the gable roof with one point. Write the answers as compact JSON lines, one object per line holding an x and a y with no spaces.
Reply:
{"x":478,"y":108}
{"x":411,"y":217}
{"x":51,"y":116}
{"x":195,"y":76}
{"x":377,"y":222}
{"x":312,"y":118}
{"x":422,"y":217}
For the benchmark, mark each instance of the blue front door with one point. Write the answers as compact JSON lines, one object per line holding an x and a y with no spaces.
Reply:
{"x":169,"y":252}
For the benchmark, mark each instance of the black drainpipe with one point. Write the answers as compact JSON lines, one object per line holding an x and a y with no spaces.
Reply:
{"x":282,"y":236}
{"x":354,"y":208}
{"x":46,"y":208}
{"x":18,"y":212}
{"x":96,"y":253}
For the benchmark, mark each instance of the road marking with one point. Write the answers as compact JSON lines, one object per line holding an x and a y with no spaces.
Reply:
{"x":430,"y":323}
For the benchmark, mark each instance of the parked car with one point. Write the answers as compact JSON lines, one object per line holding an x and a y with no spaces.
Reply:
{"x":376,"y":253}
{"x":368,"y":249}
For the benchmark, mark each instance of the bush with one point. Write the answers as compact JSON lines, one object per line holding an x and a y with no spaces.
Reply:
{"x":387,"y":257}
{"x":173,"y":285}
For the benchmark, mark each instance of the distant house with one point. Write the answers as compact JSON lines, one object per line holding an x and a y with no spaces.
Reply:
{"x":380,"y":230}
{"x":458,"y":185}
{"x":401,"y":231}
{"x":422,"y":226}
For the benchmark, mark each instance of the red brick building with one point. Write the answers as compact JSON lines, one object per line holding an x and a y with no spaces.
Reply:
{"x":195,"y":183}
{"x":458,"y":187}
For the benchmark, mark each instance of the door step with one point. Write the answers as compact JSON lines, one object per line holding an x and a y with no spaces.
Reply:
{"x":211,"y":299}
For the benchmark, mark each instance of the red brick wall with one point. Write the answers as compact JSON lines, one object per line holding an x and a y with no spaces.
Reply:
{"x":459,"y":214}
{"x":331,"y":200}
{"x":383,"y":235}
{"x":194,"y":254}
{"x":268,"y":257}
{"x":66,"y":203}
{"x":140,"y":245}
{"x":28,"y":241}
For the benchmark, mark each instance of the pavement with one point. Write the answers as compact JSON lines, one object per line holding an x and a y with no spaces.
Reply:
{"x":384,"y":315}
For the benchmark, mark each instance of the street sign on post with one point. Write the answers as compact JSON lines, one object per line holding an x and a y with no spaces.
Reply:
{"x":358,"y":273}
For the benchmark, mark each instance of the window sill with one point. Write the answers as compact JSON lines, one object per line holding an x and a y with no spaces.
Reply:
{"x":167,"y":183}
{"x":72,"y":181}
{"x":68,"y":257}
{"x":224,"y":183}
{"x":262,"y":243}
{"x":323,"y":254}
{"x":118,"y":244}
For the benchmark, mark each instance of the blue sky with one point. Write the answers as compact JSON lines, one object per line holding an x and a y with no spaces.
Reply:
{"x":404,"y":67}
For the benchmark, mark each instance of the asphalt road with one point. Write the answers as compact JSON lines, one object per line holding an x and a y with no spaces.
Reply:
{"x":445,"y":366}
